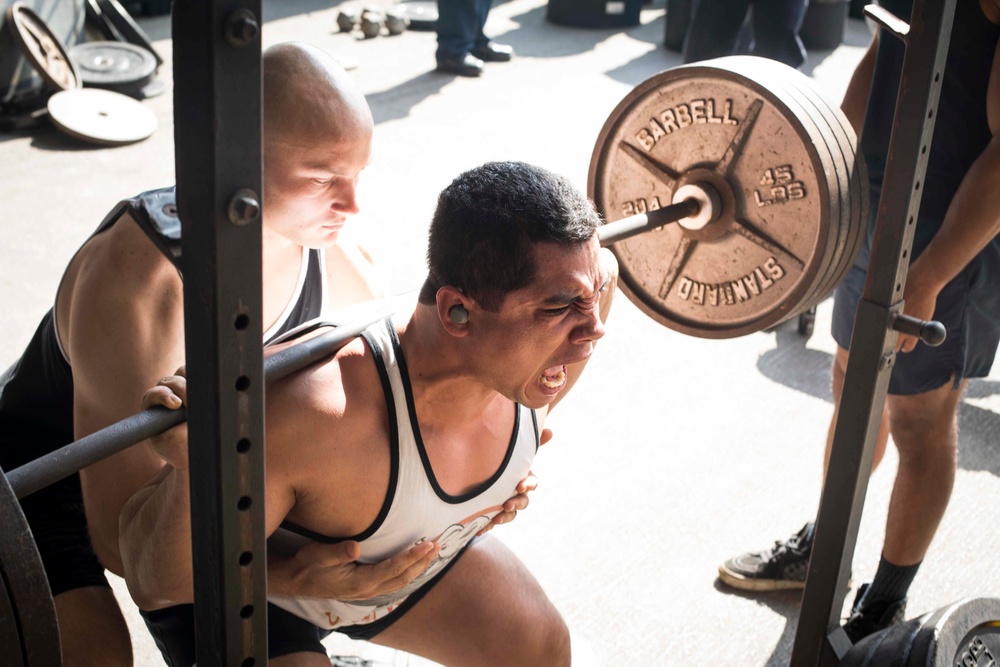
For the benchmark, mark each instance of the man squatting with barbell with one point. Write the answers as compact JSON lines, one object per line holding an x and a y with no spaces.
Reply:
{"x":117,"y":326}
{"x":417,"y":432}
{"x":953,"y":279}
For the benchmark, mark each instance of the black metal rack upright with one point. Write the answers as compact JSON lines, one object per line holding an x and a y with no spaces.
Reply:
{"x":217,"y":133}
{"x":819,"y":639}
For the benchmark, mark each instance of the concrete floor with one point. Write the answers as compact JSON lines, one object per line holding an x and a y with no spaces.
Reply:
{"x":674,"y":452}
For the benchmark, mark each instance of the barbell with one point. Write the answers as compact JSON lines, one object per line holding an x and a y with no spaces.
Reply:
{"x":734,"y":199}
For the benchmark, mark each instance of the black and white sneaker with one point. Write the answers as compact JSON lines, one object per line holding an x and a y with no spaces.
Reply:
{"x":782,"y":567}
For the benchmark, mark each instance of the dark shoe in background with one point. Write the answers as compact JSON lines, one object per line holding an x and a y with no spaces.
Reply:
{"x":782,"y":567}
{"x":870,"y":617}
{"x":494,"y":53}
{"x":468,"y":65}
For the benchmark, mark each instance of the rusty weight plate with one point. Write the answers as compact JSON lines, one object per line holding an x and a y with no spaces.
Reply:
{"x":781,"y":80}
{"x":777,"y":183}
{"x":850,"y":165}
{"x":42,"y":48}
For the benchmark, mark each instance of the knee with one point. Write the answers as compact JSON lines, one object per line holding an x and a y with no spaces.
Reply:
{"x":547,"y":644}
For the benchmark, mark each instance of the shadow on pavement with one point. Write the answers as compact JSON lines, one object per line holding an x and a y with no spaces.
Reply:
{"x":783,"y":603}
{"x":395,"y":103}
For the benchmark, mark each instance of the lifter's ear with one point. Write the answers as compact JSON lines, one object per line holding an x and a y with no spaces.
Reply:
{"x":453,"y":308}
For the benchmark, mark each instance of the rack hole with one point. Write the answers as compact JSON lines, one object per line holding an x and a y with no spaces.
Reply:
{"x":249,"y":662}
{"x":247,"y":611}
{"x":242,"y":383}
{"x":246,"y":558}
{"x":242,"y":321}
{"x":243,"y":504}
{"x":243,"y":446}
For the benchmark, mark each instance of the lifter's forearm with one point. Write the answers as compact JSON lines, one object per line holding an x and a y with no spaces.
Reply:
{"x":155,"y":542}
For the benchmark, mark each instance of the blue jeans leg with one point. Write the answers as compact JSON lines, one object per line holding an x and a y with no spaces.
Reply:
{"x":460,"y":26}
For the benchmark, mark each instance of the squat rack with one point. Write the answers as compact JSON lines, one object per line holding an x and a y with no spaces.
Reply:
{"x":217,"y":110}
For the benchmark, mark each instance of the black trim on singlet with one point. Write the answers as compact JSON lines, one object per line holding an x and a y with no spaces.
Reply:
{"x":390,"y":405}
{"x":155,"y":212}
{"x":309,"y":304}
{"x":415,"y":427}
{"x":538,"y":434}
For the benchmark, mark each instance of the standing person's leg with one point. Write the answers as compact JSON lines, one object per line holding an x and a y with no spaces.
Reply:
{"x":776,"y":25}
{"x":486,"y":611}
{"x":458,"y":24}
{"x":714,"y":28}
{"x":924,"y":393}
{"x":485,"y":49}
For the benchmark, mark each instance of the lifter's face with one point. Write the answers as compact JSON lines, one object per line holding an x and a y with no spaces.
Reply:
{"x":545,"y":326}
{"x":310,"y":182}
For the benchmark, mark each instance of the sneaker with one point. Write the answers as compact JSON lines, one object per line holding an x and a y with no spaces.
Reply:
{"x":782,"y":567}
{"x":870,"y":617}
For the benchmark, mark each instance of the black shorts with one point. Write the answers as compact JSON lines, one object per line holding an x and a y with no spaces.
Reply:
{"x":969,"y":308}
{"x":173,"y":628}
{"x":59,"y":528}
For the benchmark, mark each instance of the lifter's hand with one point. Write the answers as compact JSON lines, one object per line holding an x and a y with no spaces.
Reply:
{"x":331,"y":571}
{"x":519,"y":501}
{"x":170,"y":392}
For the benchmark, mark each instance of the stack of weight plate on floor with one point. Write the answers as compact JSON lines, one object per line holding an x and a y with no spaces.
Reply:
{"x":793,"y":198}
{"x":115,"y":72}
{"x":123,"y":59}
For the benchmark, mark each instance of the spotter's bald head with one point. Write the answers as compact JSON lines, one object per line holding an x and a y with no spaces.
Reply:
{"x":307,"y":94}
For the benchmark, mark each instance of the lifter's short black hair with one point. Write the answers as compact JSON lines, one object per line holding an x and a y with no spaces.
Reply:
{"x":486,"y":225}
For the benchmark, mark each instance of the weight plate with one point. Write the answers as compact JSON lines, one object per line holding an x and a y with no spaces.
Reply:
{"x":964,"y":633}
{"x":96,"y":20}
{"x":841,"y":209}
{"x":858,"y":187}
{"x":29,"y":598}
{"x":854,"y":176}
{"x":773,"y":171}
{"x":154,"y":88}
{"x":119,"y":17}
{"x":423,"y":14}
{"x":101,"y":116}
{"x":113,"y":65}
{"x":41,"y":47}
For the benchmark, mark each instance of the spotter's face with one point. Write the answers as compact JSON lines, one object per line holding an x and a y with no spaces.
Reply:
{"x":310,"y":183}
{"x":545,"y":326}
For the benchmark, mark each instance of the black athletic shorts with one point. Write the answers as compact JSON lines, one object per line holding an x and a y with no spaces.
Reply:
{"x":59,"y":528}
{"x":172,"y":628}
{"x":969,"y":308}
